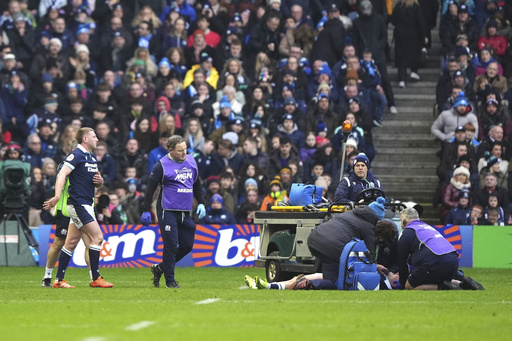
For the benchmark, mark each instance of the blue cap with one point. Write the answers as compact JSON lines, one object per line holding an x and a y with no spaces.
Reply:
{"x":460,"y":100}
{"x":216,"y":198}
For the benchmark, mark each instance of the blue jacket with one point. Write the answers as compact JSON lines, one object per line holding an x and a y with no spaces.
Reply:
{"x":350,"y":186}
{"x":222,"y":217}
{"x":458,"y":216}
{"x":155,"y":155}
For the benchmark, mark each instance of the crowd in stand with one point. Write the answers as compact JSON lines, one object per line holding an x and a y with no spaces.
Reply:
{"x":474,"y":98}
{"x":258,"y":89}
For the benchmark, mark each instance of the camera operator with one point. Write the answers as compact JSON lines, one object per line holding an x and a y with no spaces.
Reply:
{"x":105,"y":212}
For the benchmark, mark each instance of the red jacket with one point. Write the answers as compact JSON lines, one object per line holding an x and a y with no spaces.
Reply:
{"x":498,"y":43}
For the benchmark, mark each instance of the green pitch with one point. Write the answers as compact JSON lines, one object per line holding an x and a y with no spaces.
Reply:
{"x":214,"y":304}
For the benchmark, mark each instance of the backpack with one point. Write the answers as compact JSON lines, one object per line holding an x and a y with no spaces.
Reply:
{"x":356,"y":271}
{"x":304,"y":195}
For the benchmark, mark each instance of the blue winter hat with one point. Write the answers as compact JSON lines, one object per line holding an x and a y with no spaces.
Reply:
{"x":165,"y":62}
{"x":378,"y":207}
{"x":224,"y":103}
{"x":216,"y":198}
{"x":325,"y":70}
{"x":251,"y":181}
{"x":361,"y":157}
{"x":289,"y":100}
{"x":460,"y":100}
{"x":46,"y":77}
{"x":83,"y":29}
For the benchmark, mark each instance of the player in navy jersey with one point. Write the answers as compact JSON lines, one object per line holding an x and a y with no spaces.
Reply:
{"x":178,"y":177}
{"x":81,"y":168}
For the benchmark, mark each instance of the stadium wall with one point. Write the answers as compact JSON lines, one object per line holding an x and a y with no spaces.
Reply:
{"x":238,"y":245}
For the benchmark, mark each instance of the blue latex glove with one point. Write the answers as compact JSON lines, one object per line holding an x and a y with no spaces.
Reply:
{"x":145,"y":218}
{"x":201,"y":211}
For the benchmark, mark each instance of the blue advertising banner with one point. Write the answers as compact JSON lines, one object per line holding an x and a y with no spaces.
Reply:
{"x":141,"y":246}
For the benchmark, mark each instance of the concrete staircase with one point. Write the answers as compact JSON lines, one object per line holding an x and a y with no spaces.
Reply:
{"x":406,"y":160}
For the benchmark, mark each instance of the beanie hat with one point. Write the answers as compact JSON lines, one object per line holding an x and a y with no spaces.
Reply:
{"x":212,"y":179}
{"x":378,"y":207}
{"x":351,"y":142}
{"x":82,"y":48}
{"x":492,"y":160}
{"x":460,"y":100}
{"x":464,"y":193}
{"x":361,"y":157}
{"x":251,"y":181}
{"x":461,"y":170}
{"x":46,"y":78}
{"x":164,"y":62}
{"x":224,"y":103}
{"x":216,"y":198}
{"x":321,"y":127}
{"x":276,"y":182}
{"x":289,"y":100}
{"x":285,"y":169}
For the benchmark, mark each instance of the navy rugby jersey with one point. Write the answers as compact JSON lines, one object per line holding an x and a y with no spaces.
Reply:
{"x":83,"y":165}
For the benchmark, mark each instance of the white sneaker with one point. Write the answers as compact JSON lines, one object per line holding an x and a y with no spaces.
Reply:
{"x":392,"y":110}
{"x":401,"y":84}
{"x":414,"y":75}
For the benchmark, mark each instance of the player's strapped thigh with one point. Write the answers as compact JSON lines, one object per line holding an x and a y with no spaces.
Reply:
{"x":62,"y":224}
{"x":81,"y":214}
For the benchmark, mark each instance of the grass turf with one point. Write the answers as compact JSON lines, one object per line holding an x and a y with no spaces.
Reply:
{"x":214,"y":304}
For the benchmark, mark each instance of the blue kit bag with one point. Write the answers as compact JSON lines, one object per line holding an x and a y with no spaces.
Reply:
{"x":356,"y":271}
{"x":303,"y":195}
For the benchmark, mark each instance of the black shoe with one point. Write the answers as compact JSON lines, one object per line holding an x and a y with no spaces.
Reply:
{"x":447,"y":285}
{"x":173,"y":285}
{"x":46,"y":283}
{"x":469,"y":283}
{"x":157,"y":273}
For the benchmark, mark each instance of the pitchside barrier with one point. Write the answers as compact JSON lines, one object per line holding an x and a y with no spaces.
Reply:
{"x":238,"y":245}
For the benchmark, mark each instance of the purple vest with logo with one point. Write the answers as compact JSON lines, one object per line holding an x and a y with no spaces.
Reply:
{"x":178,"y":183}
{"x":431,"y":238}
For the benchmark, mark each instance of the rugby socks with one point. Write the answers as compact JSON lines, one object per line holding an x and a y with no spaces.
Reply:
{"x":64,"y":258}
{"x":94,"y":258}
{"x":48,"y":272}
{"x":276,"y":286}
{"x":160,"y":267}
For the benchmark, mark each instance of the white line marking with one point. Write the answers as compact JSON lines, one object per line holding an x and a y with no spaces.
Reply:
{"x":208,"y":301}
{"x":139,"y":325}
{"x":94,"y":338}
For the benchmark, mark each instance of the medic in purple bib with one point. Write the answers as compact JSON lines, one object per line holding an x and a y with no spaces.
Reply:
{"x":177,"y":175}
{"x":433,"y":260}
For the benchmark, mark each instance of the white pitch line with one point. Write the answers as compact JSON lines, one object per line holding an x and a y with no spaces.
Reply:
{"x":139,"y":325}
{"x":94,"y":338}
{"x":208,"y":301}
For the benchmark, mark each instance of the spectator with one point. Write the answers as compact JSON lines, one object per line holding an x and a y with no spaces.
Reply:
{"x":275,"y":195}
{"x":370,"y":33}
{"x":106,"y":163}
{"x":459,"y":214}
{"x":481,"y":196}
{"x":491,"y":78}
{"x":410,"y":36}
{"x":444,"y":126}
{"x":330,"y":41}
{"x":131,"y":156}
{"x":491,"y":38}
{"x":213,"y":188}
{"x":493,"y":213}
{"x":283,"y":157}
{"x":494,"y":167}
{"x":459,"y":181}
{"x":495,"y":134}
{"x":216,"y":213}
